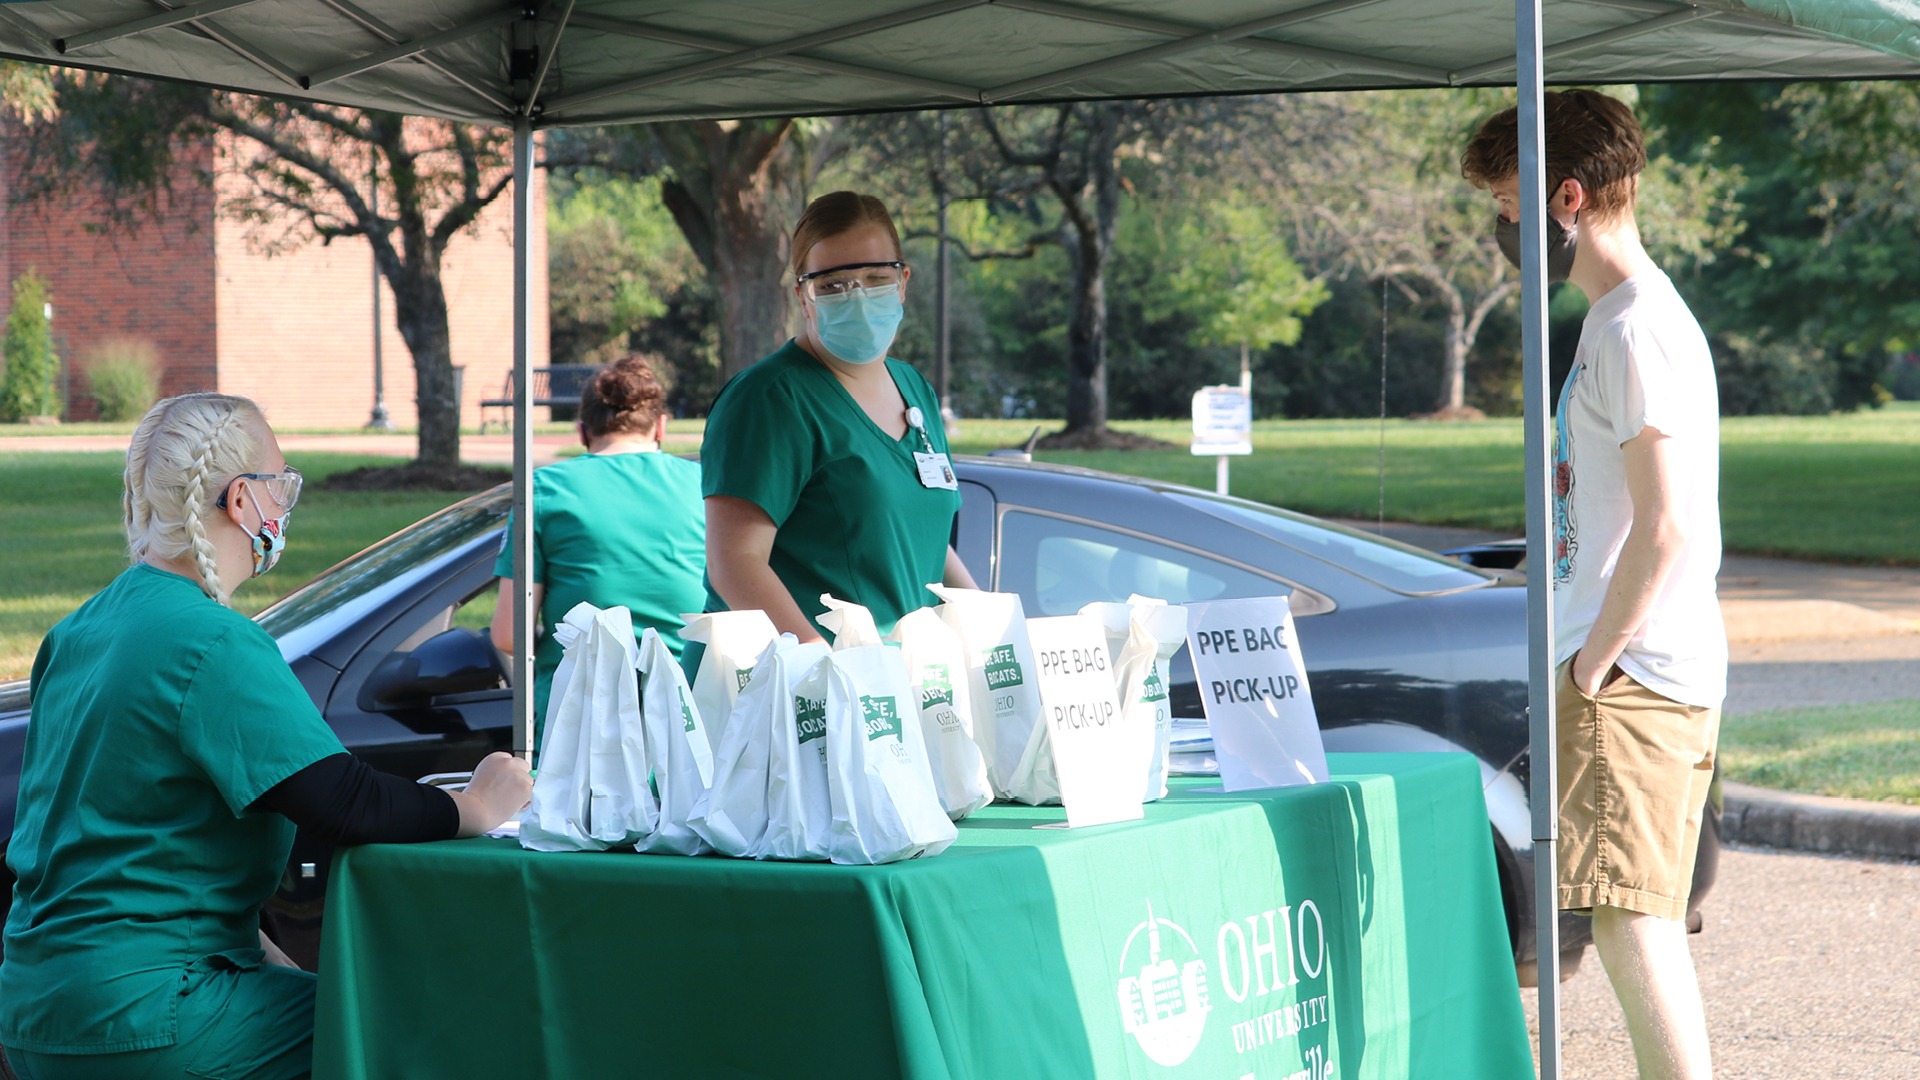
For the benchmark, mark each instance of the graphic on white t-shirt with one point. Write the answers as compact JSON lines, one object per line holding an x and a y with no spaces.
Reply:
{"x":1566,"y":532}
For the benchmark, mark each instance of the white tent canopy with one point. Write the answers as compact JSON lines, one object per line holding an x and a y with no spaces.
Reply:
{"x":570,"y":62}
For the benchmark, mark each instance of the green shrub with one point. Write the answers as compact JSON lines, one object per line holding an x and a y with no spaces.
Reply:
{"x":125,"y":373}
{"x":30,"y":386}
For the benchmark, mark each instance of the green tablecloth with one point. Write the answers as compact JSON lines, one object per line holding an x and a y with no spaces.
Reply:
{"x":1332,"y":932}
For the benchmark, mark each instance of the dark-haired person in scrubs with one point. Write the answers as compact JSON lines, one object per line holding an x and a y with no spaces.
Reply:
{"x":619,"y":525}
{"x":825,"y":465}
{"x":170,"y":753}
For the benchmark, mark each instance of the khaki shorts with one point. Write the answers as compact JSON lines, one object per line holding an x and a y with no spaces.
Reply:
{"x":1634,"y":771}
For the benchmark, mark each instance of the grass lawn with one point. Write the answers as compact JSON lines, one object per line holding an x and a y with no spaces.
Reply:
{"x":1843,"y":488}
{"x":1853,"y":751}
{"x":64,"y":540}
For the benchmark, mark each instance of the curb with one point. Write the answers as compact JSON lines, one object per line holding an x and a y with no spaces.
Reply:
{"x":1819,"y":824}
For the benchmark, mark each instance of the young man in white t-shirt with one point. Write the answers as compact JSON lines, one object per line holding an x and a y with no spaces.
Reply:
{"x":1641,"y":650}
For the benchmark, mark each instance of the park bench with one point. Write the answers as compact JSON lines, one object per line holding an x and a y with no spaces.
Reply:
{"x":557,"y":385}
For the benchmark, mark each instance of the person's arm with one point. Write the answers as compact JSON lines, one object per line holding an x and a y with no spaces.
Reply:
{"x":343,"y":801}
{"x":956,"y":575}
{"x":1654,"y":546}
{"x":501,"y":629}
{"x":739,"y":553}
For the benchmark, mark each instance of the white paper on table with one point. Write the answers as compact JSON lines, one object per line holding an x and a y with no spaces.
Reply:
{"x":1099,"y":757}
{"x":1253,"y":684}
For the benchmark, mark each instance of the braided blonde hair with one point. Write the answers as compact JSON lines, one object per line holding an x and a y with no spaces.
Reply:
{"x":181,"y":457}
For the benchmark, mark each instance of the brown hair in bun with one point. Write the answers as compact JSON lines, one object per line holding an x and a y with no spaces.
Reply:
{"x":623,"y":398}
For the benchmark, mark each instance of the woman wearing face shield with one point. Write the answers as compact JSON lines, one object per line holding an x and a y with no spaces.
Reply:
{"x":169,"y":755}
{"x":825,"y":465}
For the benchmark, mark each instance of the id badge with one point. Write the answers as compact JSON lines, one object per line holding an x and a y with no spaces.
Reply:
{"x":935,"y":471}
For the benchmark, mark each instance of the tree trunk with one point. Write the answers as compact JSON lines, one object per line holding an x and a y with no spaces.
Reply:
{"x":1453,"y":377}
{"x":1087,"y":343}
{"x":1092,"y":234}
{"x":749,"y":267}
{"x":726,"y":196}
{"x":420,"y":310}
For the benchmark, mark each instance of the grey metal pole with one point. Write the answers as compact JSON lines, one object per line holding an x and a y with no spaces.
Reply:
{"x":943,"y":356}
{"x":522,"y":538}
{"x":1539,"y":449}
{"x":379,"y":421}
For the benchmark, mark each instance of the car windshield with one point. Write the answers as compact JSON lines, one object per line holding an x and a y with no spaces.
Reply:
{"x":1387,"y":563}
{"x":357,"y":582}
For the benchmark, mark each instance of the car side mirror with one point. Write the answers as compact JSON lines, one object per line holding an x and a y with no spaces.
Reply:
{"x":456,"y":661}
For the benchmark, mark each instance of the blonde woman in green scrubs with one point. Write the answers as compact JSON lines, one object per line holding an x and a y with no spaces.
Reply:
{"x":170,"y":753}
{"x":825,"y":465}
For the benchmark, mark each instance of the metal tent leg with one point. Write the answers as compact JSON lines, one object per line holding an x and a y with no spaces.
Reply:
{"x":522,"y":539}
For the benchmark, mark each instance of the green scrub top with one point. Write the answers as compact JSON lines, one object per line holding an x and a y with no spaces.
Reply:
{"x":158,"y":717}
{"x":853,"y":518}
{"x":614,"y":530}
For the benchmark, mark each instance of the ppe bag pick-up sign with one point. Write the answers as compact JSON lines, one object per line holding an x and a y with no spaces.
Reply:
{"x":1253,"y":685}
{"x":1099,"y":757}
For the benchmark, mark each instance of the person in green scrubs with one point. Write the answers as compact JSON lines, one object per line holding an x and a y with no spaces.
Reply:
{"x":170,"y":753}
{"x":621,"y":525}
{"x":825,"y":464}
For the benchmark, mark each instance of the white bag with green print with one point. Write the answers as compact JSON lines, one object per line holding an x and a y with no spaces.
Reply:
{"x":592,"y":792}
{"x":731,"y":641}
{"x":1142,"y":636}
{"x":937,"y":666}
{"x":769,"y":793}
{"x":1007,"y":717}
{"x":676,"y":745}
{"x":885,"y":806}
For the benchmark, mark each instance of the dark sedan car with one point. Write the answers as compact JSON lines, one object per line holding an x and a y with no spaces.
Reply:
{"x":1407,"y":650}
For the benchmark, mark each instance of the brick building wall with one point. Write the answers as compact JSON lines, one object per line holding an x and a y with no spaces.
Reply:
{"x":296,"y":326}
{"x":292,"y":329}
{"x":157,"y":284}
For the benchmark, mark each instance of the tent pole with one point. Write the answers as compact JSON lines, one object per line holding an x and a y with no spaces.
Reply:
{"x":1540,"y":554}
{"x":523,"y":611}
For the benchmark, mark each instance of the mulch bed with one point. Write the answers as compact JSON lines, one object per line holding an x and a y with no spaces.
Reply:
{"x":414,"y":476}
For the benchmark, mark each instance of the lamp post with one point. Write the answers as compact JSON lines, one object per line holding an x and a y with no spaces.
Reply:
{"x":379,"y":421}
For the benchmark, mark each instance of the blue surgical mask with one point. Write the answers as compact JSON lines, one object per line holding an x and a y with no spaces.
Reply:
{"x":858,"y":327}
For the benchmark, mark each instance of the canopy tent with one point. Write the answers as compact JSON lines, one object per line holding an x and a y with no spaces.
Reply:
{"x":625,"y":61}
{"x":569,"y":62}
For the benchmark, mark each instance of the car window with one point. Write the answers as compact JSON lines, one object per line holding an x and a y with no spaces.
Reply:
{"x":1060,"y":565}
{"x":1387,"y":563}
{"x":362,"y":581}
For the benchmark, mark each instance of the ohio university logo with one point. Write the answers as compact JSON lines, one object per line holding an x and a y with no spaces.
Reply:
{"x":1163,"y":1002}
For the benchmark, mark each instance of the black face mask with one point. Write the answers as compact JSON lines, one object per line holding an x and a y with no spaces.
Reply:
{"x":1561,"y":242}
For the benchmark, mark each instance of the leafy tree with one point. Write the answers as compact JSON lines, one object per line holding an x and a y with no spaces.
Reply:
{"x":1811,"y":296}
{"x":734,"y":189}
{"x":1226,"y":261}
{"x":1372,"y":184}
{"x":306,"y":171}
{"x":26,"y":91}
{"x":30,"y":387}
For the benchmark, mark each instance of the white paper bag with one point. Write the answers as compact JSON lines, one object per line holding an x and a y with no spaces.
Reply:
{"x":885,"y":808}
{"x":769,"y":793}
{"x":1142,"y":636}
{"x":1006,"y":704}
{"x":676,"y":745}
{"x":937,"y":666}
{"x":592,"y":792}
{"x":733,"y":640}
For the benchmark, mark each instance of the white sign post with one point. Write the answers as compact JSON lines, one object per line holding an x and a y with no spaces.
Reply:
{"x":1222,"y":425}
{"x":1098,"y":757}
{"x":1253,"y":685}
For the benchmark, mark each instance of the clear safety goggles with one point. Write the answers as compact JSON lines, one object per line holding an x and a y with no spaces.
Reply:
{"x":839,"y":282}
{"x":282,"y":487}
